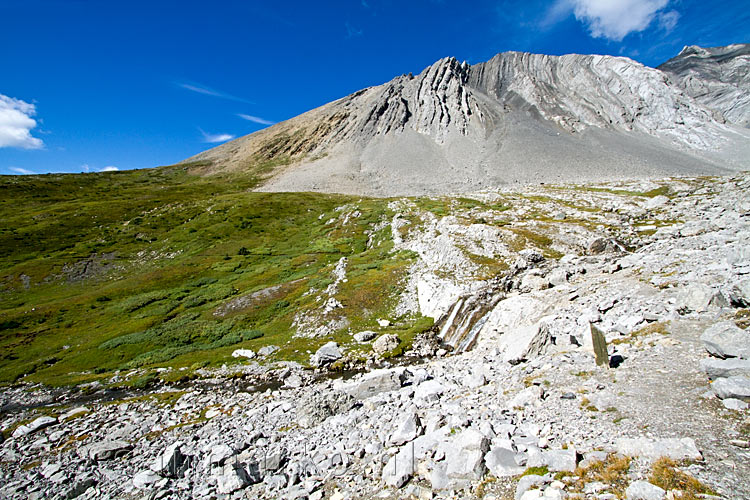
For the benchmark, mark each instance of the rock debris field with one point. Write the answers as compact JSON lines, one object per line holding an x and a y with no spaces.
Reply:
{"x":524,"y":414}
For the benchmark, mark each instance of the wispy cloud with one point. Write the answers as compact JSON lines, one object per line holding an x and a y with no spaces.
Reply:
{"x":351,"y":31}
{"x":214,"y":138}
{"x":21,"y":171}
{"x":202,"y":89}
{"x":668,"y":20}
{"x":255,"y":119}
{"x":16,"y":123}
{"x":109,"y":168}
{"x":613,"y":19}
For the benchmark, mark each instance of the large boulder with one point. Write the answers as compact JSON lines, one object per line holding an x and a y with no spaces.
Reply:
{"x":408,"y":427}
{"x":327,"y":354}
{"x":385,"y":344}
{"x":172,"y":462}
{"x":523,"y":343}
{"x":400,"y":467}
{"x":727,"y":340}
{"x":317,"y":407}
{"x":374,"y":382}
{"x":503,"y":462}
{"x":732,"y":387}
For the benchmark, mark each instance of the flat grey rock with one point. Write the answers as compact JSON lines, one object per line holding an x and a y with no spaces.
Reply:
{"x":735,"y":404}
{"x":732,"y":387}
{"x":643,"y":490}
{"x":731,"y":367}
{"x":727,"y":340}
{"x":502,"y":462}
{"x":107,"y":450}
{"x":652,"y":449}
{"x":37,"y":424}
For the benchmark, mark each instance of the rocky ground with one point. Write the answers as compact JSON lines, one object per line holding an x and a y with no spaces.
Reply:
{"x":526,"y":413}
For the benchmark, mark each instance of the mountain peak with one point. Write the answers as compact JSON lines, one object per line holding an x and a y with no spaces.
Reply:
{"x":517,"y":117}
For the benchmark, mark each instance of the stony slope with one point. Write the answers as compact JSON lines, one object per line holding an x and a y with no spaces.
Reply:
{"x":528,"y":398}
{"x":516,"y":118}
{"x":717,"y":77}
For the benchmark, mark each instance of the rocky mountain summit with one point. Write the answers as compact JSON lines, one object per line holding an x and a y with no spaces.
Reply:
{"x":518,"y":117}
{"x":504,"y":398}
{"x":717,"y":77}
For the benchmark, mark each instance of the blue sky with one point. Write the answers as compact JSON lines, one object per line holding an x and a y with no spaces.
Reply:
{"x":93,"y":85}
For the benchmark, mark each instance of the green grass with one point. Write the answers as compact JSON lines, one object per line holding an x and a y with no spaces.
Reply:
{"x":113,"y":271}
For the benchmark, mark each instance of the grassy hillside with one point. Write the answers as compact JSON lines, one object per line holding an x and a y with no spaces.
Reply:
{"x":141,"y":269}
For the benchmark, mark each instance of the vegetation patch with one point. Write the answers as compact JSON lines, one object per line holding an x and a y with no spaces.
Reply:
{"x":666,"y":475}
{"x":613,"y":472}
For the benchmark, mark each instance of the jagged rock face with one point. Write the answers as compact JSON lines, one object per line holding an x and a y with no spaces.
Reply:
{"x":717,"y":77}
{"x":579,"y":91}
{"x":517,"y":118}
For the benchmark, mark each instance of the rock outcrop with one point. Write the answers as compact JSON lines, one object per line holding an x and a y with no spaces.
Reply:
{"x":717,"y":77}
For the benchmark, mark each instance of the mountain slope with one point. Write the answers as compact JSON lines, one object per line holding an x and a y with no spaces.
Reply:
{"x":516,"y":118}
{"x":717,"y":77}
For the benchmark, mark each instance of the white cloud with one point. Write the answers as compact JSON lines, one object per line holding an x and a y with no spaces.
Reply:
{"x":21,"y":171}
{"x":202,"y":89}
{"x":85,"y":167}
{"x":668,"y":20}
{"x":16,"y":124}
{"x":255,"y":119}
{"x":109,"y":168}
{"x":614,"y":19}
{"x":214,"y":138}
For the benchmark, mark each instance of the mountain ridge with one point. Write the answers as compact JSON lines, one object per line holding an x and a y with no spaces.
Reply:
{"x":518,"y":117}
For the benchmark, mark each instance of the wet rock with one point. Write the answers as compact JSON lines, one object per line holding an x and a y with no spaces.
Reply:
{"x":326,"y":355}
{"x":385,"y":344}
